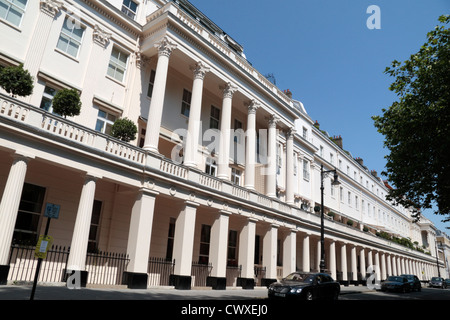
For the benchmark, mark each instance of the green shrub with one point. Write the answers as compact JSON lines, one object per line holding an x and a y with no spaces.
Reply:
{"x":66,"y":102}
{"x":16,"y":81}
{"x":124,"y":129}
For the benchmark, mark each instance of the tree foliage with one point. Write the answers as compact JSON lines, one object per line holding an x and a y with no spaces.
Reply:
{"x":16,"y":81}
{"x":66,"y":102}
{"x":417,"y":126}
{"x":124,"y":129}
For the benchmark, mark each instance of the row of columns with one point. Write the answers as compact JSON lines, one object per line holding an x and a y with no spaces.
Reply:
{"x":165,"y":48}
{"x":140,"y":229}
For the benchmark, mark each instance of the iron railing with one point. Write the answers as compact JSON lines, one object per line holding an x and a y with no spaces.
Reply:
{"x":159,"y":271}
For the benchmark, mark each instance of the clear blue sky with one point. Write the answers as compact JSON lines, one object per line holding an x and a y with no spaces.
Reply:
{"x":323,"y":51}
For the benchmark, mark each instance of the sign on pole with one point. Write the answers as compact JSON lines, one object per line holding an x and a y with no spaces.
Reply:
{"x":43,"y":245}
{"x":52,"y":210}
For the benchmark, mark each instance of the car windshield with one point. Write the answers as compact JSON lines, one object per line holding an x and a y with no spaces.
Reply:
{"x":436,"y":279}
{"x":301,"y":277}
{"x":397,"y":279}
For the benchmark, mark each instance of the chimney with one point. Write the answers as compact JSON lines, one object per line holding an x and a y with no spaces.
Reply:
{"x":374,"y":173}
{"x":338,"y":141}
{"x":317,"y":125}
{"x":360,"y":161}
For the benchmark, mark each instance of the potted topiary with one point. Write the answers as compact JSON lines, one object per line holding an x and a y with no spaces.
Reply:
{"x":66,"y":102}
{"x":16,"y":81}
{"x":124,"y":129}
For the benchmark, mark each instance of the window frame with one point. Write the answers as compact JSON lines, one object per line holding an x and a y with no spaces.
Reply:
{"x":10,"y":3}
{"x":70,"y":37}
{"x":116,"y":66}
{"x":127,"y":9}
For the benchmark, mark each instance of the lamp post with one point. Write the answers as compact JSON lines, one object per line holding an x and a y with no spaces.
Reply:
{"x":322,"y":229}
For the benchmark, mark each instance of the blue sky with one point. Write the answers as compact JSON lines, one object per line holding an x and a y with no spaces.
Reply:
{"x":323,"y":51}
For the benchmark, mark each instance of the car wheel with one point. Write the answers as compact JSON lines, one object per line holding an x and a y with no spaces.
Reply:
{"x":308,"y":295}
{"x":336,"y":295}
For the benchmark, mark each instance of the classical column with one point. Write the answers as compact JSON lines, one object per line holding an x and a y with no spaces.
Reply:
{"x":80,"y":237}
{"x":250,"y":146}
{"x":290,"y":166}
{"x":289,"y":252}
{"x":394,"y":266}
{"x":192,"y":138}
{"x":165,"y":48}
{"x":139,"y":236}
{"x":354,"y":264}
{"x":270,"y":254}
{"x":218,"y":251}
{"x":383,"y":266}
{"x":362,"y":264}
{"x":332,"y":259}
{"x":306,"y":256}
{"x":318,"y":255}
{"x":9,"y":207}
{"x":246,"y":256}
{"x":225,"y":130}
{"x":344,"y":262}
{"x":183,"y":245}
{"x":271,"y":173}
{"x":377,"y":264}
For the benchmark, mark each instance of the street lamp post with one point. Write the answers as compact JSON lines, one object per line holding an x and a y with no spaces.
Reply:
{"x":322,"y":228}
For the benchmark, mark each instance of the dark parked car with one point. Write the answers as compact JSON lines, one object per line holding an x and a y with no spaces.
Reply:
{"x":447,"y":282}
{"x":396,"y":283}
{"x":413,"y":281}
{"x":437,"y":282}
{"x":305,"y":286}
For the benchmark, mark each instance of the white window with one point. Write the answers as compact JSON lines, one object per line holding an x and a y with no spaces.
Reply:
{"x":236,"y":175}
{"x":356,"y":203}
{"x":341,"y":194}
{"x":321,"y":151}
{"x":186,"y":103}
{"x":214,"y":118}
{"x":117,"y":64}
{"x":70,"y":37}
{"x":331,"y":158}
{"x":47,"y":98}
{"x":129,"y":7}
{"x":305,"y":170}
{"x":12,"y":10}
{"x":349,"y":198}
{"x":151,"y":83}
{"x":105,"y":121}
{"x":305,"y":133}
{"x":331,"y":188}
{"x":211,"y":167}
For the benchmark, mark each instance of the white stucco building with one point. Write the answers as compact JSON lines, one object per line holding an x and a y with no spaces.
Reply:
{"x":224,"y":172}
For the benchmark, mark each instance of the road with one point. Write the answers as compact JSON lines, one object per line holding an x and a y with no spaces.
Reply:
{"x":426,"y":294}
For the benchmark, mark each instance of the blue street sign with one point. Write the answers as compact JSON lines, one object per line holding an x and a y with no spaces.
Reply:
{"x":52,"y":210}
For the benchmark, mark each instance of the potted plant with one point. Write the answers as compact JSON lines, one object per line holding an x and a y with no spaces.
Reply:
{"x":16,"y":81}
{"x":124,"y":129}
{"x":66,"y":102}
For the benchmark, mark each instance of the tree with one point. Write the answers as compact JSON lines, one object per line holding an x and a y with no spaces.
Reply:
{"x":66,"y":102}
{"x":417,"y":126}
{"x":124,"y":129}
{"x":16,"y":81}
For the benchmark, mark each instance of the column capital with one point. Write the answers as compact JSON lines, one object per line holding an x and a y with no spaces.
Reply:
{"x":200,"y":69}
{"x":165,"y":47}
{"x":51,"y":7}
{"x":273,"y":121}
{"x":228,"y":90}
{"x":290,"y":133}
{"x":252,"y":106}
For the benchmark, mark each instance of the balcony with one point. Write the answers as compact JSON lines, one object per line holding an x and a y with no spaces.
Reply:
{"x":41,"y":124}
